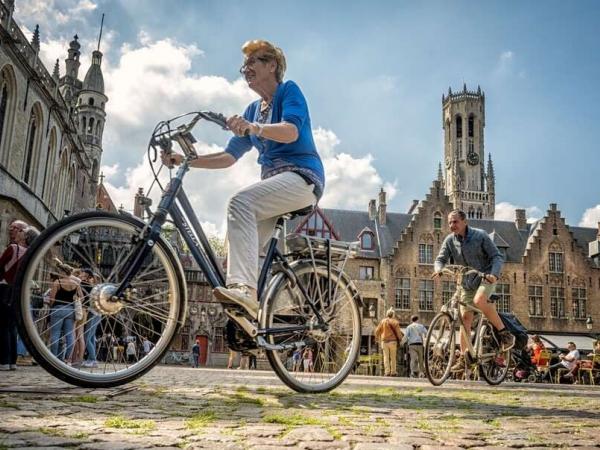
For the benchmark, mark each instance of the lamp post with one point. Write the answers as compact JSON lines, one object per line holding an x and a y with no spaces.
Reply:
{"x":589,"y":324}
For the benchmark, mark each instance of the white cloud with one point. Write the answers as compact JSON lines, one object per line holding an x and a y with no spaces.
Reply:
{"x":506,"y":211}
{"x":506,"y":66}
{"x":590,"y":217}
{"x":170,"y":88}
{"x":49,"y":13}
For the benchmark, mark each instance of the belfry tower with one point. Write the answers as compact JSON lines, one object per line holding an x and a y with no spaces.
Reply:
{"x":467,"y":184}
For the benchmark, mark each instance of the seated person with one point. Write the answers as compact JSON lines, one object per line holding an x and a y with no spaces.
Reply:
{"x":568,"y":361}
{"x":536,"y":349}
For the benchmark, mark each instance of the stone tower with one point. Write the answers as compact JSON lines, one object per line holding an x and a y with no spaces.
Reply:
{"x":467,"y":184}
{"x":91,"y":112}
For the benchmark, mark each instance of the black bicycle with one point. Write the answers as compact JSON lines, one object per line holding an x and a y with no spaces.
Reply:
{"x":139,"y":290}
{"x":483,"y":356}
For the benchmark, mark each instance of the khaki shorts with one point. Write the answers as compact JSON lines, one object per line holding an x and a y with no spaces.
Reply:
{"x":484,"y":288}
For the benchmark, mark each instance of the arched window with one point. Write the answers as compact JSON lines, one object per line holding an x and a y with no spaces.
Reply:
{"x":98,"y":128}
{"x":91,"y":101}
{"x":83,"y":122}
{"x":58,"y":194}
{"x":90,"y":129}
{"x":8,"y":89}
{"x":459,"y":134}
{"x":471,"y":126}
{"x":3,"y":107}
{"x":70,"y":194}
{"x":437,"y":220}
{"x":366,"y":241}
{"x":50,"y":156}
{"x":32,"y":145}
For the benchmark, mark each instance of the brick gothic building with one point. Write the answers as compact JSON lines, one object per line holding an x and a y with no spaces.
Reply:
{"x":551,"y":275}
{"x":51,"y":130}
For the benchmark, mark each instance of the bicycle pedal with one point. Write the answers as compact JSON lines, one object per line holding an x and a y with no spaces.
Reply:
{"x":239,"y":318}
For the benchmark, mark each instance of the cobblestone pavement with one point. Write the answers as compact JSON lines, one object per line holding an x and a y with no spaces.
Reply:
{"x":177,"y":407}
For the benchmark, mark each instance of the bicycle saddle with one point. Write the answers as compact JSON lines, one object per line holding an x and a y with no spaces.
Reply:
{"x":301,"y":212}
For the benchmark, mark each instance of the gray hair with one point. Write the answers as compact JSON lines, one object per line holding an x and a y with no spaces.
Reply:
{"x":391,"y":313}
{"x":30,"y":234}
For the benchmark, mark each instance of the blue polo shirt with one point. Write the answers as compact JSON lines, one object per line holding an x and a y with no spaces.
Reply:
{"x":301,"y":156}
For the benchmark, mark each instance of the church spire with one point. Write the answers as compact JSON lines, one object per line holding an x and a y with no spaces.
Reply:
{"x":440,"y":175}
{"x":35,"y":40}
{"x":56,"y":71}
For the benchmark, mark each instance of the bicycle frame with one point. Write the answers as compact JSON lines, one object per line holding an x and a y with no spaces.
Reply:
{"x":189,"y":226}
{"x":472,"y":345}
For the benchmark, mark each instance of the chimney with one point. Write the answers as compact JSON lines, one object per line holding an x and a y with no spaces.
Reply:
{"x":382,"y":207}
{"x":594,"y":247}
{"x":138,"y":208}
{"x":372,"y":209}
{"x":414,"y":205}
{"x":520,"y":219}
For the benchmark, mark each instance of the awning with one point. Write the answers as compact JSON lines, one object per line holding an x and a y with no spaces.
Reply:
{"x":560,"y":341}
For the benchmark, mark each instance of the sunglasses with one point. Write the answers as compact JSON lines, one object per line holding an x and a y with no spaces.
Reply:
{"x":252,"y":60}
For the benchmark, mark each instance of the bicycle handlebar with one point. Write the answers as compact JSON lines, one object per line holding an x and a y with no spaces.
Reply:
{"x":456,"y":270}
{"x":182,"y":133}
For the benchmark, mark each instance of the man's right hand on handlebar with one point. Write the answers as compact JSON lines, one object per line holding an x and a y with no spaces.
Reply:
{"x":171,"y":159}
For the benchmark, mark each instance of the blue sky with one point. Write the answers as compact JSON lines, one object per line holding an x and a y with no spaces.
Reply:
{"x":373,"y":73}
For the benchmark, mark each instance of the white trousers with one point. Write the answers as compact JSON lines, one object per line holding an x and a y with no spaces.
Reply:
{"x":251,"y":217}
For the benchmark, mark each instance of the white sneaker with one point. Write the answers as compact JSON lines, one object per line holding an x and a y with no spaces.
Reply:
{"x":13,"y":367}
{"x":89,"y":364}
{"x":4,"y":367}
{"x":239,"y":294}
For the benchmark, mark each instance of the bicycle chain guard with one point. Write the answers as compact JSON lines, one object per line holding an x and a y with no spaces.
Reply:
{"x":237,"y":339}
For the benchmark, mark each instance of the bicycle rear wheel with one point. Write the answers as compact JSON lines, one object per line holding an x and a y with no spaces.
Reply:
{"x":439,"y":348}
{"x":151,"y":311}
{"x":493,"y":364}
{"x":334,"y":351}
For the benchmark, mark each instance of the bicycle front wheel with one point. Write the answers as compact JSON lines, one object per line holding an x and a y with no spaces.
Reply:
{"x":116,"y":340}
{"x":439,"y":348}
{"x":322,"y":358}
{"x":493,"y":364}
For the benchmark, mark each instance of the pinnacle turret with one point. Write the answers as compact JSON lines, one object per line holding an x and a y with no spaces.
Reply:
{"x":56,"y":71}
{"x":35,"y":40}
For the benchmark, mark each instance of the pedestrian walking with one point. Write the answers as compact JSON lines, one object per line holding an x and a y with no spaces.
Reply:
{"x":131,"y":351}
{"x":196,"y":354}
{"x":307,"y":359}
{"x":415,"y":337}
{"x":9,"y":264}
{"x":389,"y":334}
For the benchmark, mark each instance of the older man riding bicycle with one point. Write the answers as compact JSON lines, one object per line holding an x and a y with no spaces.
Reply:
{"x":473,"y":247}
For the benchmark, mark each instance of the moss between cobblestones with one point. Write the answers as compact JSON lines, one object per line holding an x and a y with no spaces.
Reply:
{"x":293,"y":420}
{"x":135,"y":426}
{"x":5,"y":404}
{"x":52,"y":431}
{"x":200,"y":420}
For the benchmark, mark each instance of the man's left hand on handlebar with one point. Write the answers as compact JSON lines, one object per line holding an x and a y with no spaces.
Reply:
{"x":489,"y":278}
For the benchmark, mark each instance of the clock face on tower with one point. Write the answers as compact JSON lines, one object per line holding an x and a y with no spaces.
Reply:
{"x":473,"y":158}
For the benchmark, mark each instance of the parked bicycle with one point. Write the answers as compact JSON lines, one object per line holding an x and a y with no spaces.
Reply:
{"x":482,"y":356}
{"x":140,"y":288}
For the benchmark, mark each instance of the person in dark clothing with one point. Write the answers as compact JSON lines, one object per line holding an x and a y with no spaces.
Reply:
{"x":196,"y":354}
{"x":9,"y":265}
